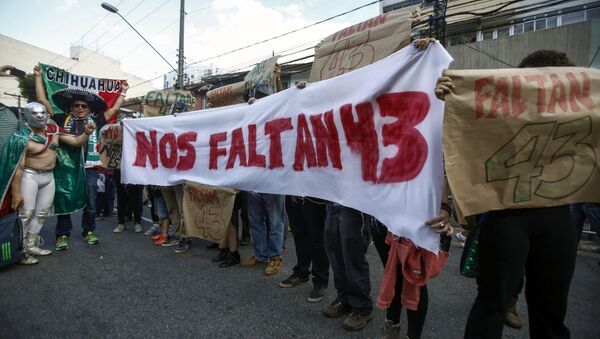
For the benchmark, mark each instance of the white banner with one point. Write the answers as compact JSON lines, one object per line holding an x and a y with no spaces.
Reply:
{"x":370,"y":139}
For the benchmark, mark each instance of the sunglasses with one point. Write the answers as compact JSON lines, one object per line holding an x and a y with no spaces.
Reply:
{"x":84,"y":106}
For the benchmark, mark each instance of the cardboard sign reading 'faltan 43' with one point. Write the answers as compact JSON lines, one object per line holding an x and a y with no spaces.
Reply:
{"x":523,"y":138}
{"x":111,"y":138}
{"x":207,"y":210}
{"x":362,"y":44}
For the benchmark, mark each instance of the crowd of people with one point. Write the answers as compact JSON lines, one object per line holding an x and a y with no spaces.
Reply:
{"x":535,"y":247}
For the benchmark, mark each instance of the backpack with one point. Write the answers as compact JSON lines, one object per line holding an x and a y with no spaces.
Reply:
{"x":11,"y":244}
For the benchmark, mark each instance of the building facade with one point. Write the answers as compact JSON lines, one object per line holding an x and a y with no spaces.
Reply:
{"x":81,"y":61}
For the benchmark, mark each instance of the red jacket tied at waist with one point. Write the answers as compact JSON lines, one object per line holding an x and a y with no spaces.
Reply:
{"x":418,"y":266}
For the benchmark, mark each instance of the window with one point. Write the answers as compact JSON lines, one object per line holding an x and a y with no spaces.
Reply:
{"x":518,"y":29}
{"x":540,"y":24}
{"x":488,"y":34}
{"x":528,"y":26}
{"x":551,"y":22}
{"x":593,"y":14}
{"x":572,"y":18}
{"x":502,"y":32}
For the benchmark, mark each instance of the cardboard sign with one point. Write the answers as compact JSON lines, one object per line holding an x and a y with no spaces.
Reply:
{"x":207,"y":211}
{"x":264,"y":73}
{"x":376,"y":148}
{"x":159,"y":102}
{"x":227,"y":95}
{"x":518,"y":138}
{"x":361,"y":44}
{"x":111,"y":138}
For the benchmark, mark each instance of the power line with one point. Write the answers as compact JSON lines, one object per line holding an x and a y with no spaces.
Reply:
{"x":489,"y":55}
{"x":290,"y":32}
{"x":272,"y":38}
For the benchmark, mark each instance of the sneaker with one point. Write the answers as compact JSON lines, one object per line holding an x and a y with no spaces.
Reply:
{"x":183,"y":246}
{"x":317,"y":294}
{"x":91,"y":238}
{"x":120,"y":228}
{"x":356,"y":322}
{"x":232,"y":259}
{"x":274,"y":266}
{"x":155,"y":228}
{"x":392,"y":330}
{"x":62,"y":243}
{"x":160,"y":239}
{"x":336,"y":309}
{"x":138,"y":228}
{"x":171,"y":242}
{"x":28,"y":260}
{"x":99,"y":217}
{"x":512,"y":317}
{"x":293,"y":281}
{"x":250,"y":262}
{"x":221,"y":256}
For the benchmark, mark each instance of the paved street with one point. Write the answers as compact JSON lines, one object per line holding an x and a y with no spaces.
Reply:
{"x":127,"y":287}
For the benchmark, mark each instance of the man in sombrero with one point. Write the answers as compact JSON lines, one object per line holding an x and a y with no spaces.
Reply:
{"x":81,"y":106}
{"x":27,"y":182}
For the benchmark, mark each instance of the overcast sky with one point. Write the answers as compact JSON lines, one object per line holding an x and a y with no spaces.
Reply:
{"x":212,"y":27}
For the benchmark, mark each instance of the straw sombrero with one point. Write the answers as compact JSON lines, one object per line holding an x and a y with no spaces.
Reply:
{"x":63,"y":98}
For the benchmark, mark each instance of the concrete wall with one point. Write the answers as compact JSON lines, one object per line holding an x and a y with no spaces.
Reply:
{"x":25,"y":56}
{"x":576,"y":40}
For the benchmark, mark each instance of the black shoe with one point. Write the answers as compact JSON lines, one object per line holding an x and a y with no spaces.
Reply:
{"x":336,"y":309}
{"x":233,"y":258}
{"x":221,"y":256}
{"x":293,"y":281}
{"x":317,"y":294}
{"x":212,"y":246}
{"x":183,"y":246}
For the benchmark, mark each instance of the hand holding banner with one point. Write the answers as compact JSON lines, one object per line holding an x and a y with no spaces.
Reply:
{"x":374,"y":147}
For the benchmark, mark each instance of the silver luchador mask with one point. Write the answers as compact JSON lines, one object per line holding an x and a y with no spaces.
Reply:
{"x":35,"y":114}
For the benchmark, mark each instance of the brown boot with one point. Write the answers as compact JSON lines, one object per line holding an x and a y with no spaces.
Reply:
{"x":356,"y":322}
{"x":512,"y":317}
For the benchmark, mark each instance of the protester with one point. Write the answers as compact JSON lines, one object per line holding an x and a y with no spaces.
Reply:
{"x":153,"y":192}
{"x":80,"y":106}
{"x":347,"y":239}
{"x":540,"y":243}
{"x":268,"y":241}
{"x":129,"y":197}
{"x":307,"y":222}
{"x":228,"y":250}
{"x":28,"y":160}
{"x":105,"y":201}
{"x":162,"y":214}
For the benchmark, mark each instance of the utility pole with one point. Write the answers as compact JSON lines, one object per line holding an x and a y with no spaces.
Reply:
{"x":179,"y":83}
{"x":437,"y":21}
{"x":18,"y":96}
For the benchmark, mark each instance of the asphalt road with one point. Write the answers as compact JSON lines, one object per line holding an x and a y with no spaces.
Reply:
{"x":127,"y":287}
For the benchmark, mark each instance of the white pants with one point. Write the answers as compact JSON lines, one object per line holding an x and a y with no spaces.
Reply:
{"x":37,"y":189}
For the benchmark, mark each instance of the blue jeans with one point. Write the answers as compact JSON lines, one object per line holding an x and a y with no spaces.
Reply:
{"x":105,"y":201}
{"x":267,"y":243}
{"x":88,"y":219}
{"x":347,"y":238}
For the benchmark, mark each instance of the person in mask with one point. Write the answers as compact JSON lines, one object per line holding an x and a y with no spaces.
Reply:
{"x":27,"y":179}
